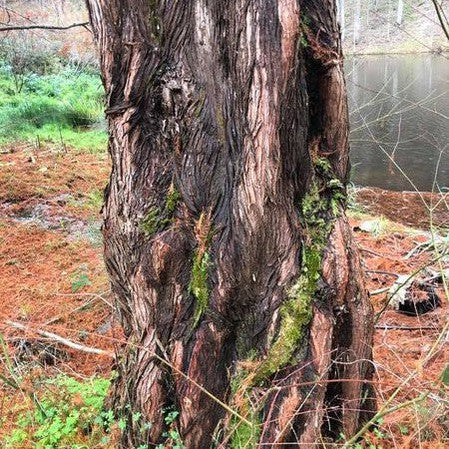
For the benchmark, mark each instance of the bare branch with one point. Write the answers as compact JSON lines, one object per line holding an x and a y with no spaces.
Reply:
{"x":43,"y":27}
{"x":59,"y":339}
{"x":444,"y":24}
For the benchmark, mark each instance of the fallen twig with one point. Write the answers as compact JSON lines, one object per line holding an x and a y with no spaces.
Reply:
{"x":379,"y":291}
{"x":59,"y":339}
{"x":386,"y":273}
{"x":388,"y":327}
{"x":43,"y":27}
{"x":369,"y":251}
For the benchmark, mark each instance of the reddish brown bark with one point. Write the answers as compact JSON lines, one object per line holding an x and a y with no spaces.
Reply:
{"x":219,"y":115}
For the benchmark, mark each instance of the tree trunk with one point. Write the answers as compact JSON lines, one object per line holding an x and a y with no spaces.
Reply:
{"x":357,"y":23}
{"x":400,"y":12}
{"x":341,"y":18}
{"x":238,"y":283}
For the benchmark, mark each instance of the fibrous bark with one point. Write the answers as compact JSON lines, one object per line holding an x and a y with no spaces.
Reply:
{"x":229,"y":253}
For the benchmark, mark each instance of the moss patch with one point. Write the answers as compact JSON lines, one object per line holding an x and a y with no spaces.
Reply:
{"x":199,"y":285}
{"x":320,"y":207}
{"x":158,"y":219}
{"x":172,"y":200}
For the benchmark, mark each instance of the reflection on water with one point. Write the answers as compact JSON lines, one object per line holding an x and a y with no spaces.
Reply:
{"x":399,"y":109}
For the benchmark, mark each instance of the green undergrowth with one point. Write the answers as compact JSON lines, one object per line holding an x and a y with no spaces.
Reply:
{"x":244,"y":434}
{"x":63,"y":107}
{"x":65,"y":413}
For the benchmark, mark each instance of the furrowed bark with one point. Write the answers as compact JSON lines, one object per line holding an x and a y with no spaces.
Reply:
{"x":225,"y":236}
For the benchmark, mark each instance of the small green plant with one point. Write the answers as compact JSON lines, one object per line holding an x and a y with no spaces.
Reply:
{"x":80,"y":279}
{"x":94,"y":200}
{"x":70,"y":414}
{"x":172,"y":434}
{"x":199,"y":284}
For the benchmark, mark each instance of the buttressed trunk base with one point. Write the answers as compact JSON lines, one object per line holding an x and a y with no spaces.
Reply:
{"x":238,"y":284}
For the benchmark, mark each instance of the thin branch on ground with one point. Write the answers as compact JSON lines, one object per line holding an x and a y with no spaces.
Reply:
{"x":44,"y":27}
{"x":59,"y":339}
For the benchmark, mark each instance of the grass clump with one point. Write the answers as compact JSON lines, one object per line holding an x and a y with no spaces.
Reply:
{"x":64,"y":107}
{"x":244,"y":434}
{"x":66,"y":413}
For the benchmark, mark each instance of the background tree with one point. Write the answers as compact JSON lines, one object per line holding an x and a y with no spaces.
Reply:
{"x":341,"y":17}
{"x":400,"y":12}
{"x":229,"y":253}
{"x":357,"y":25}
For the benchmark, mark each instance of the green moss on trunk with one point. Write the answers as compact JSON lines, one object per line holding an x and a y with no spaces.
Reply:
{"x":319,"y":209}
{"x":158,"y":219}
{"x":199,"y":285}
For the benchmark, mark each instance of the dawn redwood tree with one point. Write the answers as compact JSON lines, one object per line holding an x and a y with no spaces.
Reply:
{"x":238,"y":284}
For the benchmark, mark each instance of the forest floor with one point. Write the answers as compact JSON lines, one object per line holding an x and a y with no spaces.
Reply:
{"x":419,"y":32}
{"x":54,"y":279}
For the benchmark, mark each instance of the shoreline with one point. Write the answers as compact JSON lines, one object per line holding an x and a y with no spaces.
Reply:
{"x":435,"y":52}
{"x":410,"y":208}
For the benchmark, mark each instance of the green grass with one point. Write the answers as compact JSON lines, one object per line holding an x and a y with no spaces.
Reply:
{"x":64,"y":108}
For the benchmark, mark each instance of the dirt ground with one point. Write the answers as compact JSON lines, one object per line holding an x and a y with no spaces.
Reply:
{"x":53,"y":279}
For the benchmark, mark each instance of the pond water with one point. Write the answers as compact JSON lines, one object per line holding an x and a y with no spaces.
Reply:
{"x":399,"y":112}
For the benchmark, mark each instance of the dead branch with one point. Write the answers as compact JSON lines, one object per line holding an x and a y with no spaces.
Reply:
{"x":44,"y":27}
{"x":379,"y":291}
{"x":59,"y":339}
{"x":444,"y":24}
{"x":389,"y":327}
{"x":386,"y":273}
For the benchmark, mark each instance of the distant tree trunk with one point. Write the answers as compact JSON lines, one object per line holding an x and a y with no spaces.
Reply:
{"x":389,"y":19}
{"x":341,"y":17}
{"x":400,"y":12}
{"x":357,"y":22}
{"x":226,"y":241}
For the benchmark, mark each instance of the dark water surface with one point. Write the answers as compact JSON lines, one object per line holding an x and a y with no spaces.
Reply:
{"x":399,"y":109}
